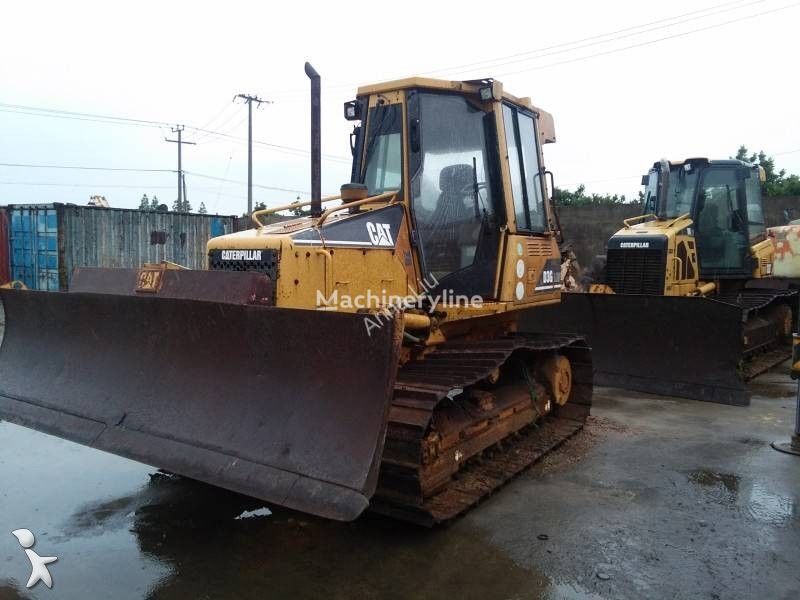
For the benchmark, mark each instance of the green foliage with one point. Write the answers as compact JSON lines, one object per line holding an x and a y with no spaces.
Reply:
{"x":144,"y":204}
{"x":300,"y":211}
{"x":181,"y":206}
{"x":778,"y":183}
{"x":258,"y":206}
{"x":580,"y":198}
{"x":202,"y":210}
{"x":154,"y":203}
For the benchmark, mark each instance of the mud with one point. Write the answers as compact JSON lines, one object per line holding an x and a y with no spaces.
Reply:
{"x":656,"y":498}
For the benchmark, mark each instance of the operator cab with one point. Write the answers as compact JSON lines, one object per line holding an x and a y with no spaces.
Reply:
{"x":452,"y":152}
{"x":723,"y":199}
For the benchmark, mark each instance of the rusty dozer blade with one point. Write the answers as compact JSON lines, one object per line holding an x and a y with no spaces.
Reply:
{"x":669,"y":345}
{"x":289,"y":406}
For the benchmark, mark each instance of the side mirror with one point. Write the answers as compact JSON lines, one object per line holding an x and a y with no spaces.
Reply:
{"x":645,"y":179}
{"x":413,"y":135}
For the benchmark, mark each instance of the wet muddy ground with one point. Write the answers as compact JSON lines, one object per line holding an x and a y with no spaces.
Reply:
{"x":656,"y":498}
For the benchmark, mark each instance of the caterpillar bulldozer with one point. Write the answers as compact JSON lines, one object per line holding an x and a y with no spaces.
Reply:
{"x":367,"y":353}
{"x":686,"y":302}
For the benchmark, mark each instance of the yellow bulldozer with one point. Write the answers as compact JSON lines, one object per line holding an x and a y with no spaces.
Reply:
{"x":687,"y":302}
{"x":367,"y":353}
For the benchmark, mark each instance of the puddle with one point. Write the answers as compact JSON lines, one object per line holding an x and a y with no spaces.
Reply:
{"x":712,"y":479}
{"x":768,"y":507}
{"x":754,"y":498}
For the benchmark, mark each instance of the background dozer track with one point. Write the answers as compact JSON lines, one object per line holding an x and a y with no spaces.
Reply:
{"x":249,"y":398}
{"x":690,"y":347}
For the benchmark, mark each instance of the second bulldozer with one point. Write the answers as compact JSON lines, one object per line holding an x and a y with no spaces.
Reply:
{"x":368,"y":352}
{"x":687,"y":303}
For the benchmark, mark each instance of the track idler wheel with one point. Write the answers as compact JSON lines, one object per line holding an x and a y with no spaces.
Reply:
{"x":557,"y":375}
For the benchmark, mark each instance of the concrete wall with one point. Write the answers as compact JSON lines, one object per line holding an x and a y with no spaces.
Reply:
{"x":589,"y":227}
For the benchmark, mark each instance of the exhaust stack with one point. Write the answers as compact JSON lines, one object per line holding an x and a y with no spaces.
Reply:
{"x":316,"y":143}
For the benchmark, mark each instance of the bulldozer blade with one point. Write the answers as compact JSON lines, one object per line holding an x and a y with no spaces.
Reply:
{"x":289,"y":406}
{"x":673,"y":346}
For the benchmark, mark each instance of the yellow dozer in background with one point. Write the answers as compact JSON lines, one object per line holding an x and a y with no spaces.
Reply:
{"x":363,"y":354}
{"x":687,"y":303}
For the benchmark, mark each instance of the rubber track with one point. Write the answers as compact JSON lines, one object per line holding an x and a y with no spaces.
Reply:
{"x":422,"y":385}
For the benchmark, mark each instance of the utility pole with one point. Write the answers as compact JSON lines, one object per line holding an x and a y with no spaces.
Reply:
{"x":181,"y":183}
{"x":249,"y":99}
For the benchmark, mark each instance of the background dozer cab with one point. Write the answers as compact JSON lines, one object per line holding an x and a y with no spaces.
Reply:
{"x":363,"y":353}
{"x":688,"y":303}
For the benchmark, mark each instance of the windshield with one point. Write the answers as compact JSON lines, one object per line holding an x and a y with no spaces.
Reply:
{"x":651,"y":193}
{"x":384,"y":149}
{"x":680,"y":194}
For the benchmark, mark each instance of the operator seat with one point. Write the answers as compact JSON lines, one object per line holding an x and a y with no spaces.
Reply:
{"x":455,"y":185}
{"x":453,"y":212}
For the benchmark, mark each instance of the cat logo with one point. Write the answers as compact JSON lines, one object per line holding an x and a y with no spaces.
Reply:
{"x":380,"y":234}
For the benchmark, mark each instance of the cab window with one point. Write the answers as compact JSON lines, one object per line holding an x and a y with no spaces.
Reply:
{"x":452,"y":191}
{"x":383,"y":152}
{"x":523,"y":163}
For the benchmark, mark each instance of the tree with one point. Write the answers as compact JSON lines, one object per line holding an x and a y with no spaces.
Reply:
{"x":144,"y":204}
{"x":202,"y":210}
{"x":154,"y":203}
{"x":182,"y":206}
{"x":777,"y":182}
{"x":580,"y":198}
{"x":300,"y":211}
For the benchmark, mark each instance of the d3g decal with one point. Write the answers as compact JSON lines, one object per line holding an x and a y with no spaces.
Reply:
{"x":550,"y":277}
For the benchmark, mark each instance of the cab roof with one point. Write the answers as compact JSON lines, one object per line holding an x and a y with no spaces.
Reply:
{"x":546,"y":126}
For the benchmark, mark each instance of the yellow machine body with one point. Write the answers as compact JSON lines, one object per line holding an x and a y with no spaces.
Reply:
{"x":365,"y":276}
{"x":360,"y":354}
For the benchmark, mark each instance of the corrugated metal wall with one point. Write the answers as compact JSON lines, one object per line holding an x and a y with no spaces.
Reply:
{"x":5,"y":259}
{"x":99,"y":237}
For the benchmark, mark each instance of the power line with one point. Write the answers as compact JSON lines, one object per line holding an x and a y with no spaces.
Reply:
{"x":649,"y":42}
{"x":88,"y":185}
{"x":109,"y":120}
{"x":70,"y":113}
{"x":256,"y":185}
{"x":597,"y":39}
{"x":462,"y":67}
{"x":278,"y":147}
{"x":83,"y":168}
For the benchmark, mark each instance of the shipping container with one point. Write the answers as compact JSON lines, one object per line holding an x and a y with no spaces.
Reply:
{"x":48,"y":241}
{"x":5,"y":263}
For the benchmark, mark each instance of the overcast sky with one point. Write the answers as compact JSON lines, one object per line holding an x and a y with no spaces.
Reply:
{"x":620,"y":101}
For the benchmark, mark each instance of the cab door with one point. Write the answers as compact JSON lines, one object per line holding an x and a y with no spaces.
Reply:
{"x":455,"y":191}
{"x":721,"y":224}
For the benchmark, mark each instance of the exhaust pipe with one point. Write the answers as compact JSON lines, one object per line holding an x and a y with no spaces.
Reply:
{"x":316,"y":143}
